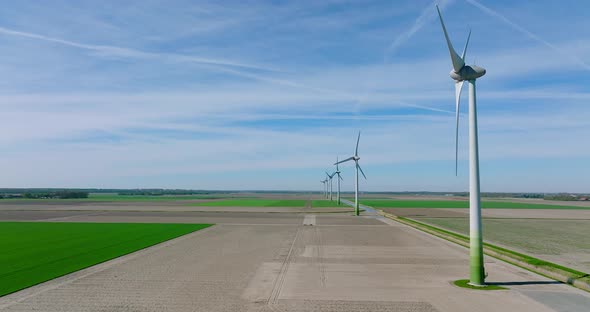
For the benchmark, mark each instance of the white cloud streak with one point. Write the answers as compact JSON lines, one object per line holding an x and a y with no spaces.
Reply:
{"x":427,"y":15}
{"x":114,"y":51}
{"x":526,"y":32}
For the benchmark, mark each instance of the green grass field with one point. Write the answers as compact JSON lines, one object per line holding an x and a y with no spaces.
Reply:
{"x":325,"y":203}
{"x":253,"y":203}
{"x":34,"y":252}
{"x":392,"y":203}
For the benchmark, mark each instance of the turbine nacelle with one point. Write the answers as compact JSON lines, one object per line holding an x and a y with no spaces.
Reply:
{"x":467,"y":72}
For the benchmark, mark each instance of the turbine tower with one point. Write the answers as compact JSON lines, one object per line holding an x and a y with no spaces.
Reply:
{"x":324,"y":187}
{"x":328,"y":185}
{"x":330,"y":176}
{"x":337,"y":172}
{"x":461,"y":73}
{"x":358,"y":168}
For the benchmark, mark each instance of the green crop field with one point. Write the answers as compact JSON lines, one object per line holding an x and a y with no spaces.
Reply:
{"x":325,"y":203}
{"x":34,"y":252}
{"x":458,"y":204}
{"x":254,"y":203}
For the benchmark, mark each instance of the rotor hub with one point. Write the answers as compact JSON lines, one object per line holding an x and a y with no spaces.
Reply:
{"x":468,"y":72}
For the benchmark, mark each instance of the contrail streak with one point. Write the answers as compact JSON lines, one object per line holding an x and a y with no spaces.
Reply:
{"x":427,"y":14}
{"x":108,"y":50}
{"x":229,"y":67}
{"x":526,"y":32}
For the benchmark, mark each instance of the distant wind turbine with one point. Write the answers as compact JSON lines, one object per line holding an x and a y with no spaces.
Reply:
{"x":337,"y":172}
{"x":461,"y":73}
{"x":358,"y":168}
{"x":324,"y":187}
{"x":330,"y":176}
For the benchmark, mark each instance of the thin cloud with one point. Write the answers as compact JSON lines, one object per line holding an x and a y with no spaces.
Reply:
{"x":107,"y":50}
{"x":425,"y":17}
{"x":528,"y":33}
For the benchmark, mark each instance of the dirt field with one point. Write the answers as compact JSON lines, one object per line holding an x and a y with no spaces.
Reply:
{"x":561,"y":241}
{"x":491,"y":213}
{"x":276,"y":259}
{"x":255,"y":261}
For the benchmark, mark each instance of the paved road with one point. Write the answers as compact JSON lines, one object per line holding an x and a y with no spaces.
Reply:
{"x":368,"y":209}
{"x":290,"y":262}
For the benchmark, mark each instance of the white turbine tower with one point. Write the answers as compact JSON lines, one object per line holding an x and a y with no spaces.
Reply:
{"x":460,"y":74}
{"x":324,"y":187}
{"x":328,"y":185}
{"x":358,"y":168}
{"x":330,"y":176}
{"x":337,"y":172}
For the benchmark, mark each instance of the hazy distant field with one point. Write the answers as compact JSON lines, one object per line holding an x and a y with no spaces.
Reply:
{"x":36,"y":252}
{"x":459,"y":204}
{"x":118,"y":198}
{"x":95,"y":197}
{"x":563,"y":241}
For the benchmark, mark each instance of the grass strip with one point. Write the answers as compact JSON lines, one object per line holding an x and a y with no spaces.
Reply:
{"x":35,"y":252}
{"x":464,"y":283}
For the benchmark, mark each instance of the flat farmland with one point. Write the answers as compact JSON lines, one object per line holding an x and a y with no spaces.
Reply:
{"x":34,"y":252}
{"x":254,"y":203}
{"x":325,"y":203}
{"x":392,"y":203}
{"x":563,"y":241}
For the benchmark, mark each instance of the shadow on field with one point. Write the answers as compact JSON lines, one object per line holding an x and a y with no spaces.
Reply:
{"x":524,"y":283}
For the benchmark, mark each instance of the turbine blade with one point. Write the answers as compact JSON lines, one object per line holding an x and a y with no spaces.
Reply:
{"x":340,"y":177}
{"x":361,"y":170}
{"x":458,"y":63}
{"x":465,"y":49}
{"x":356,"y":150}
{"x":347,"y":159}
{"x":458,"y":88}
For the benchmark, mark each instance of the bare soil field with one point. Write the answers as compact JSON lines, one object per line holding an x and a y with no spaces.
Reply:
{"x":536,"y":201}
{"x":159,"y":206}
{"x":428,"y":212}
{"x":292,"y":263}
{"x":491,"y":213}
{"x":547,"y":202}
{"x":561,"y":241}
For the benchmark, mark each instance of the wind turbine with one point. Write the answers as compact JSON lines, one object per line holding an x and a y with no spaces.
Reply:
{"x":461,"y":73}
{"x":337,"y":172}
{"x":324,"y":187}
{"x":330,"y":176}
{"x":358,"y":168}
{"x":328,"y":186}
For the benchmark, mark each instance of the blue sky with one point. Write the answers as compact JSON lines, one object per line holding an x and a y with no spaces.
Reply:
{"x":265,"y":95}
